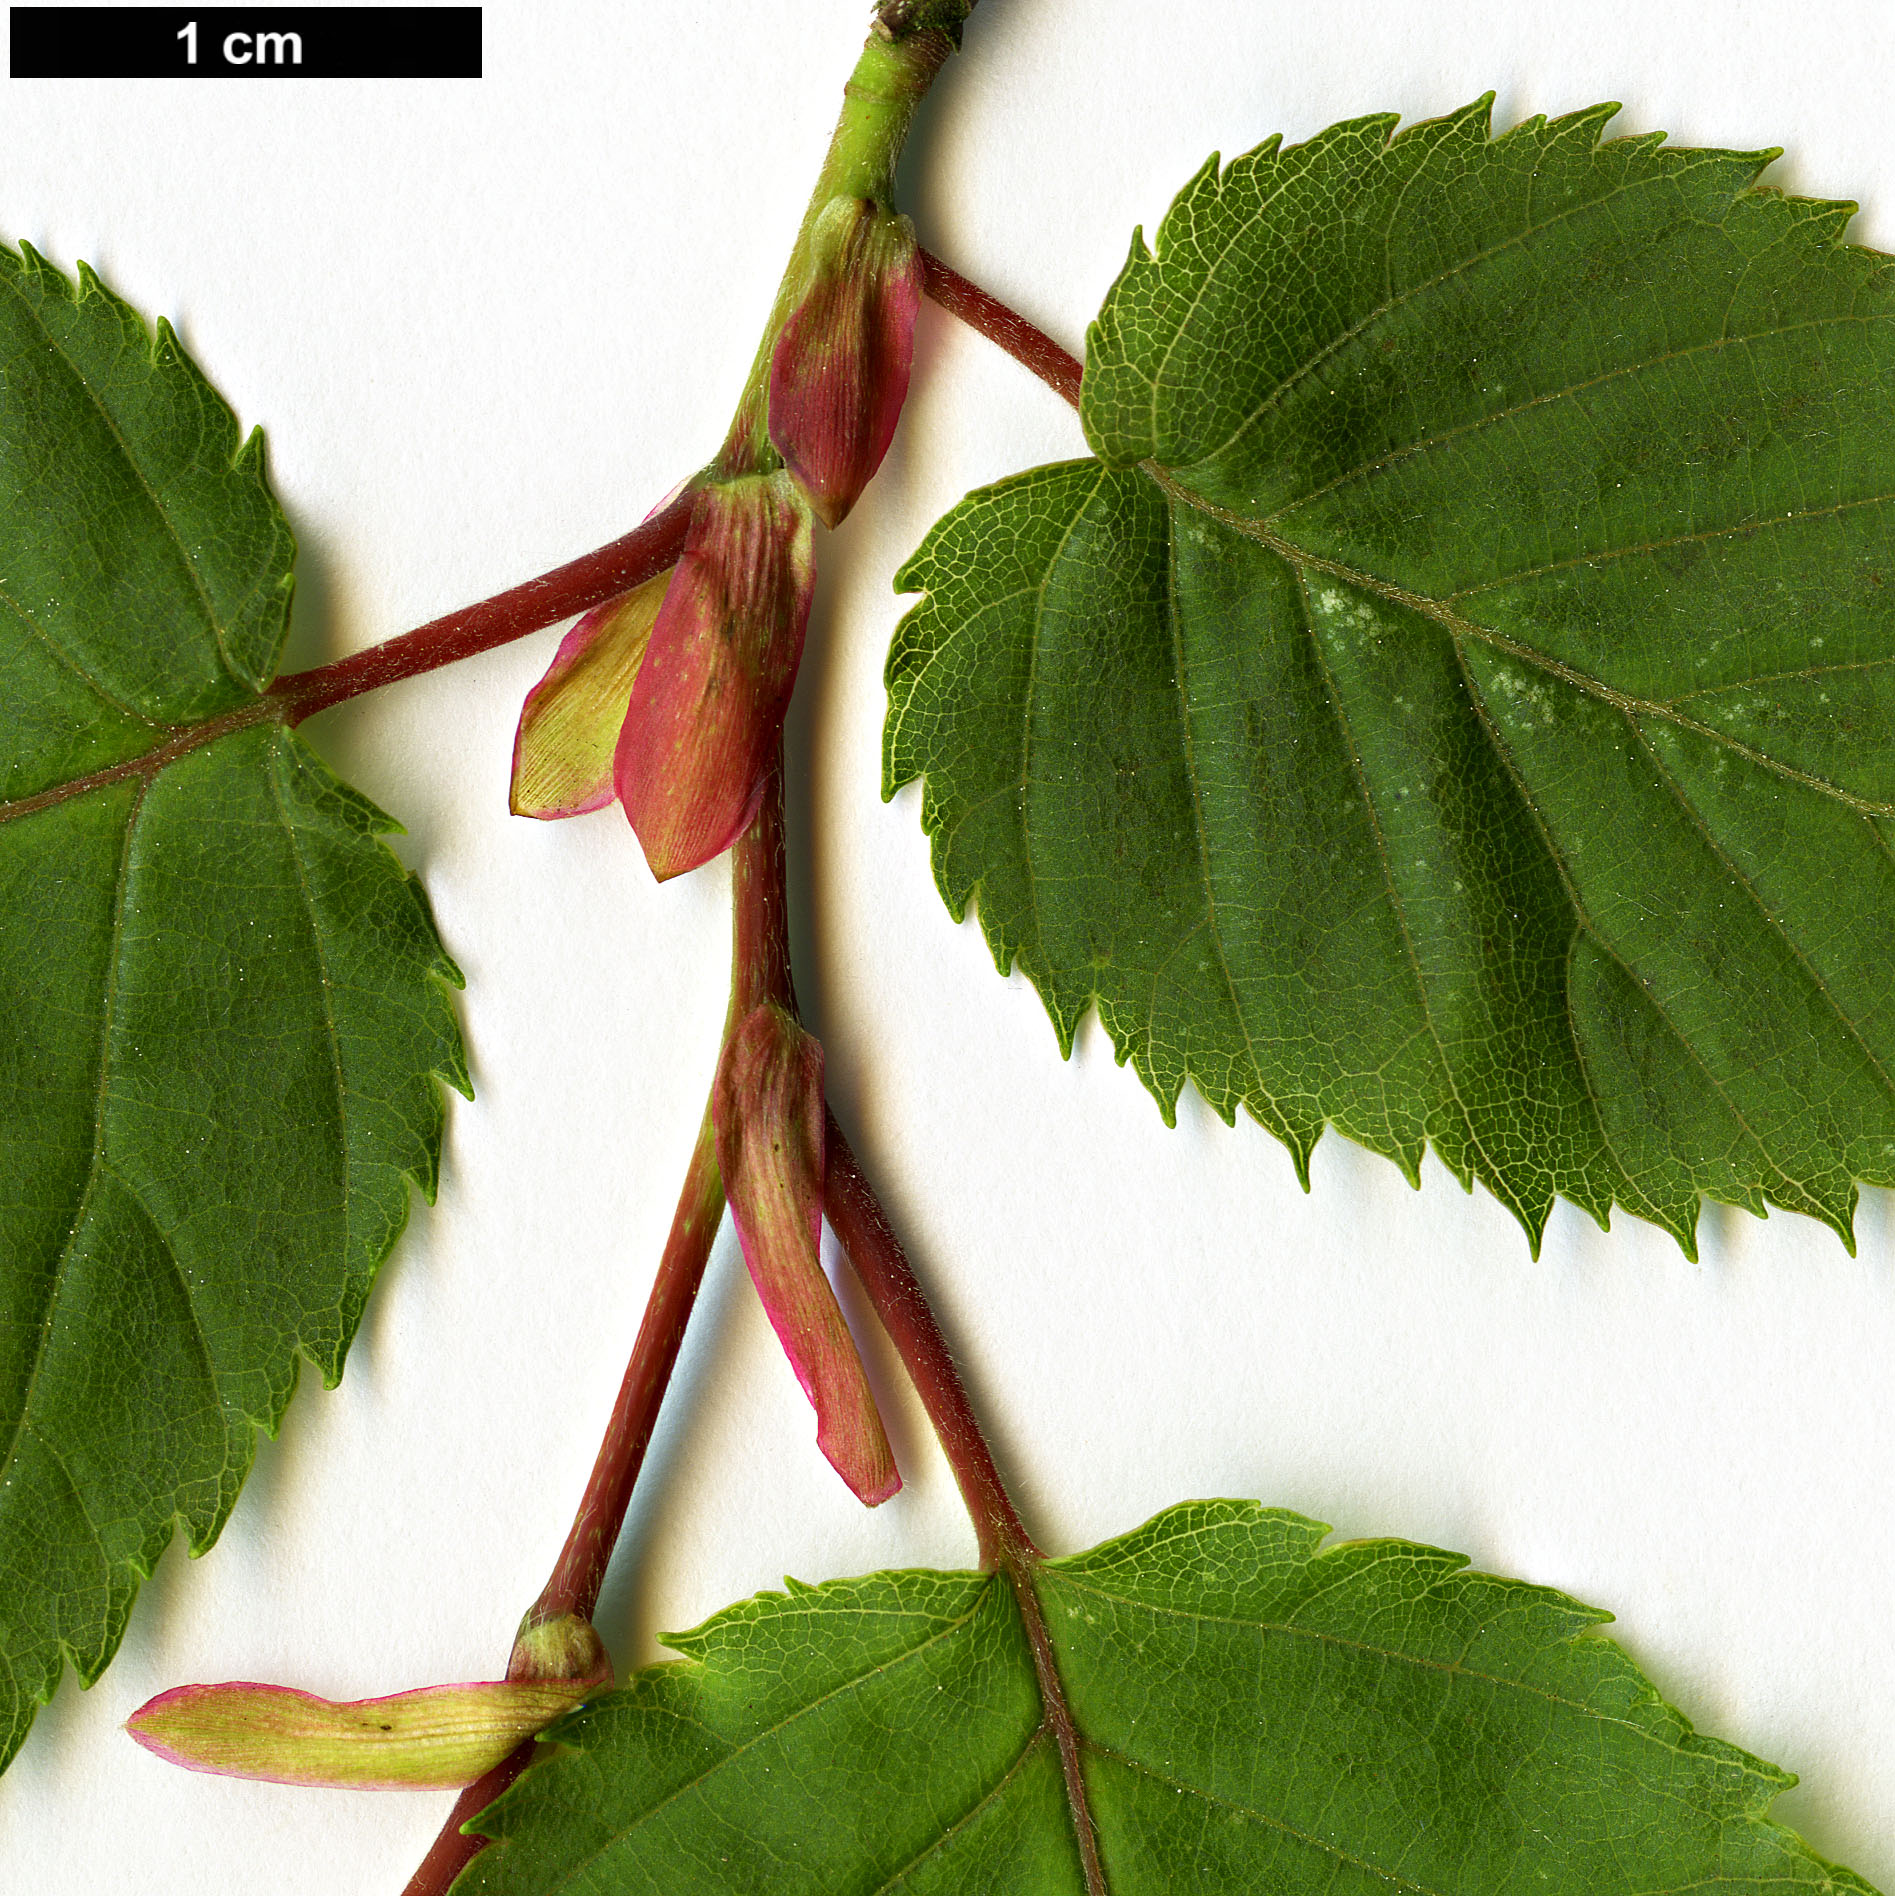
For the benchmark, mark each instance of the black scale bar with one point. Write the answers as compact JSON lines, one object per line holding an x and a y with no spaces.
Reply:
{"x":244,"y":42}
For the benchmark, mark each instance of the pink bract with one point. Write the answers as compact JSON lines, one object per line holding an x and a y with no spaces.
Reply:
{"x":839,"y":373}
{"x":767,"y":1106}
{"x":707,"y":709}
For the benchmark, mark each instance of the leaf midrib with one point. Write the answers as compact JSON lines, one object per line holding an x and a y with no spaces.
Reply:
{"x":148,"y":763}
{"x":1430,"y":606}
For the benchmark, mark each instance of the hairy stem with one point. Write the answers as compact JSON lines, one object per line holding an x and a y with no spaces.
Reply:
{"x":760,"y":970}
{"x":1031,"y":347}
{"x":911,"y":40}
{"x":576,"y":587}
{"x":863,"y":1231}
{"x":452,"y":1850}
{"x":534,"y":604}
{"x":862,"y":1228}
{"x":580,"y":1569}
{"x":647,"y":550}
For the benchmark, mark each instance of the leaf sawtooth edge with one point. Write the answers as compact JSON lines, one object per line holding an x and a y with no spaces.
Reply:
{"x":1821,"y":229}
{"x":244,"y":455}
{"x":563,"y":1817}
{"x":912,"y":651}
{"x":398,"y":941}
{"x":352,"y":814}
{"x":1384,"y":135}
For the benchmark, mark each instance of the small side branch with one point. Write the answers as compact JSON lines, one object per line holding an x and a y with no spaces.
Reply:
{"x":1033,"y":348}
{"x":576,"y":587}
{"x":580,"y":1569}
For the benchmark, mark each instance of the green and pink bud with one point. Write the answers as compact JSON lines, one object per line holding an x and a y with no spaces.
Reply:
{"x":437,"y":1738}
{"x":432,"y":1739}
{"x":767,"y":1107}
{"x":707,"y":707}
{"x":570,"y":724}
{"x":839,"y":372}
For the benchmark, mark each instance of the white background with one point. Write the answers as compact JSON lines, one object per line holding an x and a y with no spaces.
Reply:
{"x":487,"y":324}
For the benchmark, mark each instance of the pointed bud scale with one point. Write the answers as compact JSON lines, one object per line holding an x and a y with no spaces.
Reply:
{"x":709,"y":702}
{"x":433,"y":1739}
{"x":839,"y":373}
{"x":569,"y":725}
{"x":767,"y":1106}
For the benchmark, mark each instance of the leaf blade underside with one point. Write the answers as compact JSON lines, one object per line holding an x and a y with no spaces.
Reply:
{"x":223,"y":1004}
{"x":1253,"y":1713}
{"x":1452,"y":705}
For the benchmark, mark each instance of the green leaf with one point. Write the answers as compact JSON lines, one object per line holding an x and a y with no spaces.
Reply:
{"x":1454,"y":705}
{"x":1252,"y":1715}
{"x":221,"y":998}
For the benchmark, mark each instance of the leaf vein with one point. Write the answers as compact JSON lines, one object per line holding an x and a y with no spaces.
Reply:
{"x":64,"y":658}
{"x":1290,"y":1630}
{"x":95,"y":1168}
{"x":110,"y":421}
{"x":1774,"y":921}
{"x":278,"y":762}
{"x":1697,"y":536}
{"x":757,"y":1737}
{"x":1407,"y":450}
{"x":1504,"y":751}
{"x":1189,"y":737}
{"x":1342,"y":1857}
{"x":1362,"y":324}
{"x":1442,"y":614}
{"x":967,"y":1816}
{"x":1496,"y":1177}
